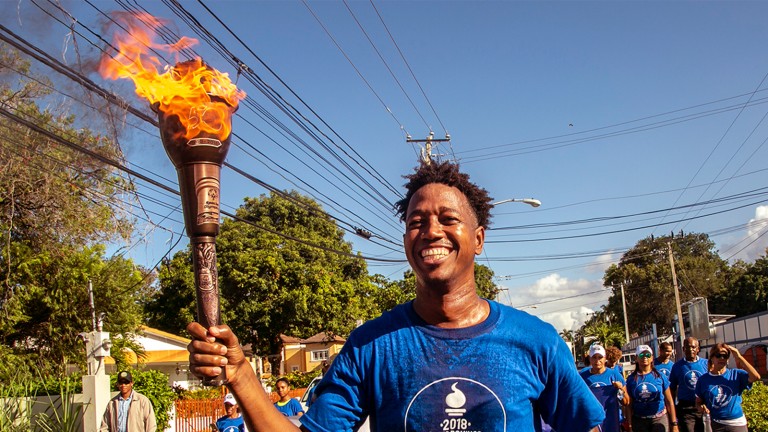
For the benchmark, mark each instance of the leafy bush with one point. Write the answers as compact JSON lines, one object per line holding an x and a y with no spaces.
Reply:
{"x":755,"y":407}
{"x":62,"y":415}
{"x":297,"y":379}
{"x":15,"y":411}
{"x":205,"y":394}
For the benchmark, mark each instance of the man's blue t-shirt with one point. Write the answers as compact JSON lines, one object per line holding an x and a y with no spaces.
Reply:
{"x":664,"y":368}
{"x":410,"y":376}
{"x":647,"y":393}
{"x":722,"y":393}
{"x":603,"y":389}
{"x":290,"y":408}
{"x":684,"y":376}
{"x":227,"y":424}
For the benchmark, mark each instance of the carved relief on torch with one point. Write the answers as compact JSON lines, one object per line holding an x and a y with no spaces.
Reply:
{"x":207,"y":283}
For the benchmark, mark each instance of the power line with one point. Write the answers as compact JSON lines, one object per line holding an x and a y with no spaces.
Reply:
{"x":615,"y":125}
{"x":358,"y":158}
{"x":121,"y":167}
{"x":571,"y":142}
{"x":391,"y":73}
{"x":89,"y":85}
{"x":413,"y":75}
{"x":351,"y":63}
{"x":67,"y":71}
{"x":628,"y":229}
{"x":720,"y":141}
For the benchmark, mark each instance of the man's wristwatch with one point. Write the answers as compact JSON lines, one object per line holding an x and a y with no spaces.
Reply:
{"x":674,"y":423}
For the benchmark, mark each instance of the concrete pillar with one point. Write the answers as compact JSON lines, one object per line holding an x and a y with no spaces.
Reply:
{"x":95,"y":398}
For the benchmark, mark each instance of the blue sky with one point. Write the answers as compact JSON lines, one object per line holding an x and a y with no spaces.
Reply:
{"x":615,"y":111}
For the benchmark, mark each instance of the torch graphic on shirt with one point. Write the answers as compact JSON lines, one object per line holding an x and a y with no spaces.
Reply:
{"x":194,"y":104}
{"x":455,"y":401}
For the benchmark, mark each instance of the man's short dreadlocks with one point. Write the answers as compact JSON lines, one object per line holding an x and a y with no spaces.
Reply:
{"x":448,"y":174}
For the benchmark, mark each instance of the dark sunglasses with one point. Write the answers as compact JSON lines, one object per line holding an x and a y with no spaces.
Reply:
{"x":721,"y":356}
{"x":645,"y":355}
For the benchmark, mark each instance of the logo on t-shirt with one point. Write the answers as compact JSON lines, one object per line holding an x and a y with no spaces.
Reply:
{"x":720,"y":396}
{"x":647,"y":392}
{"x":691,"y":377}
{"x":455,"y":404}
{"x":455,"y":401}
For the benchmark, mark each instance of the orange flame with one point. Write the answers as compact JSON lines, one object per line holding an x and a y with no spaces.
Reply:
{"x":185,"y":90}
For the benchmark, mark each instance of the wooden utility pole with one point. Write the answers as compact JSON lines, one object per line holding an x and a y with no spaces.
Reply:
{"x":426,"y":151}
{"x":624,"y":304}
{"x":680,"y":324}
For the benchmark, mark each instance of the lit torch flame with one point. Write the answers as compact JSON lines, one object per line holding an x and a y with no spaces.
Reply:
{"x":184,"y":90}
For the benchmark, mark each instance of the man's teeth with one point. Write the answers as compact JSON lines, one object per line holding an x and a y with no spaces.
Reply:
{"x":434,"y":253}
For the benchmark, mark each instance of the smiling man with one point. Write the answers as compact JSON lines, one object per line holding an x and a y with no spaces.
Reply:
{"x":448,"y":360}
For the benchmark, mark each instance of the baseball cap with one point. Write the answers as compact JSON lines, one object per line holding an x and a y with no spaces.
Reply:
{"x":596,"y":349}
{"x":124,"y":377}
{"x":643,"y":348}
{"x":230,"y":399}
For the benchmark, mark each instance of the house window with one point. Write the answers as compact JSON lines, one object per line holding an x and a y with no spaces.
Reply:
{"x":319,"y":355}
{"x":294,"y":368}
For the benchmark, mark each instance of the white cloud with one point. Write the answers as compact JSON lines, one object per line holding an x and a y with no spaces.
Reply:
{"x":601,"y":263}
{"x":570,"y":319}
{"x":564,"y":303}
{"x":756,"y":227}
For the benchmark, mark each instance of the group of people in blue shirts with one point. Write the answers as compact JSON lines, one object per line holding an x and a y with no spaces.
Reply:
{"x":706,"y":391}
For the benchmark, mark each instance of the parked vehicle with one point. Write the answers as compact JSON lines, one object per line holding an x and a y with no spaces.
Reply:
{"x":307,"y":394}
{"x":627,"y":362}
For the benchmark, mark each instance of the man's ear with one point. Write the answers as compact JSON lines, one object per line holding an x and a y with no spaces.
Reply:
{"x":479,"y":239}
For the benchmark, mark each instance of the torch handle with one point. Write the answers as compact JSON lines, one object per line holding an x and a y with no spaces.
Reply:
{"x":207,"y":290}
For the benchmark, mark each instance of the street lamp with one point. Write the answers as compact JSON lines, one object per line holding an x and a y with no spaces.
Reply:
{"x":530,"y":201}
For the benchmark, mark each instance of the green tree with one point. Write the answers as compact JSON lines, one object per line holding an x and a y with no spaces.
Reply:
{"x":646,"y":275}
{"x":606,"y":334}
{"x":392,"y":293}
{"x":389,"y":294}
{"x":56,"y":207}
{"x":172,"y":306}
{"x":273,"y":285}
{"x":54,"y":298}
{"x":748,"y":291}
{"x":484,"y":283}
{"x":567,"y":335}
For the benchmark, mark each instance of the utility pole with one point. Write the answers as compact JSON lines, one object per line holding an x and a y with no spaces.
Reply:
{"x":426,"y":151}
{"x":96,"y":382}
{"x":680,"y":325}
{"x":624,"y":305}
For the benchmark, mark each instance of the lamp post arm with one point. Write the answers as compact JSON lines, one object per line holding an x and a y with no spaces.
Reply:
{"x":530,"y":201}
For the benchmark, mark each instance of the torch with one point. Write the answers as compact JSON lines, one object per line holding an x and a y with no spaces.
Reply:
{"x":198,"y":162}
{"x":194,"y":104}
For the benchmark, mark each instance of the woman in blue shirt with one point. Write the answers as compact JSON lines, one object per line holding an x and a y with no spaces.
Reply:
{"x":650,"y":401}
{"x":719,"y":391}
